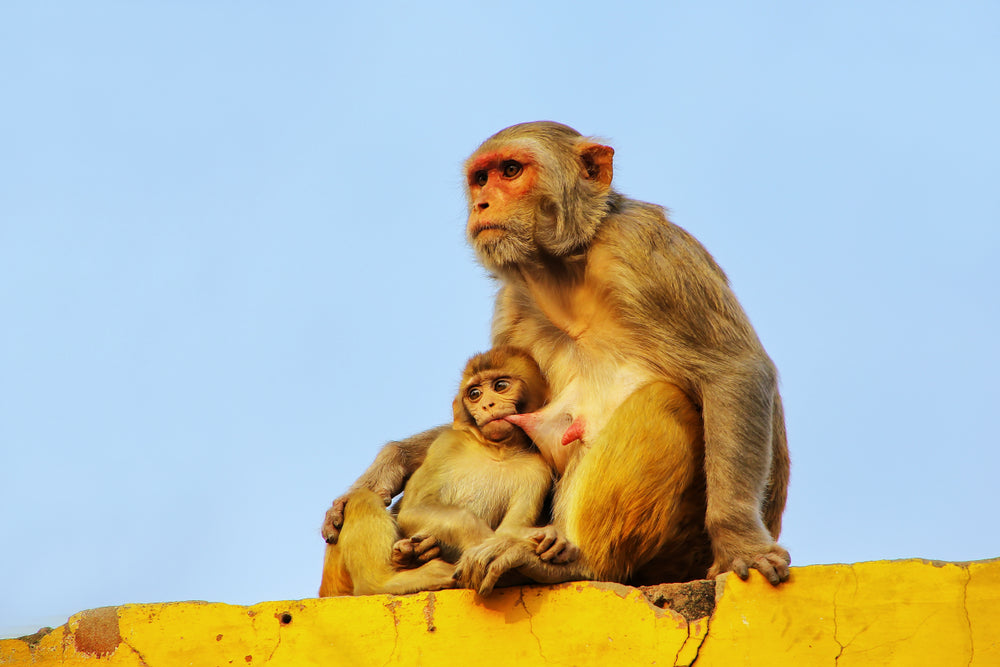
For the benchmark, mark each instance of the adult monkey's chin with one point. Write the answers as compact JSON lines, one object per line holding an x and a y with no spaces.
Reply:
{"x":498,"y":248}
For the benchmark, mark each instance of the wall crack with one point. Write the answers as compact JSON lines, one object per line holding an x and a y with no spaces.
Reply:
{"x":836,"y":620}
{"x":531,"y":627}
{"x":273,"y":650}
{"x":701,"y":642}
{"x":142,"y":658}
{"x":392,"y":606}
{"x":968,"y":620}
{"x":677,"y":656}
{"x":836,"y":630}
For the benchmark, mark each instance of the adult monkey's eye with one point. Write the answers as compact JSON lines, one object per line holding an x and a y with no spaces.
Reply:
{"x":474,"y":394}
{"x":510,"y":168}
{"x":480,"y":177}
{"x":501,"y":385}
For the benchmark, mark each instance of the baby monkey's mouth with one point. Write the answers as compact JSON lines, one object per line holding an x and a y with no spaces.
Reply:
{"x":514,"y":418}
{"x":498,"y":416}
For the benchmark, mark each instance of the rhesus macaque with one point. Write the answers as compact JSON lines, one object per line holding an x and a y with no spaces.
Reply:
{"x":482,"y":478}
{"x":666,"y":423}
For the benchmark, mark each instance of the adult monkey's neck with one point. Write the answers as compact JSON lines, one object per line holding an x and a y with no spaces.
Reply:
{"x":568,"y":293}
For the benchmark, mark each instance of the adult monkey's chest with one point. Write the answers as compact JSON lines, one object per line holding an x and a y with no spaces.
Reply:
{"x":586,"y":354}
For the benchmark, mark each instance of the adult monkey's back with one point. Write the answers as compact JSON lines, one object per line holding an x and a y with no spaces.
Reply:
{"x":645,"y":348}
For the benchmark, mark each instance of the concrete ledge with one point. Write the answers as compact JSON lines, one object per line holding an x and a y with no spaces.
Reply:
{"x":909,"y":612}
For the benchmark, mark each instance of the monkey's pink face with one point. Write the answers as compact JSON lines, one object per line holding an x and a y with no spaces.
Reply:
{"x":498,"y":183}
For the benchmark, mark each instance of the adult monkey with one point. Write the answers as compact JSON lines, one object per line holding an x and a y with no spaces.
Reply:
{"x":677,"y":463}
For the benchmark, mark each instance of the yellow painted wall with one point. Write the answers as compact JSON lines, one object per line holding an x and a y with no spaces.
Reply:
{"x":882,"y":613}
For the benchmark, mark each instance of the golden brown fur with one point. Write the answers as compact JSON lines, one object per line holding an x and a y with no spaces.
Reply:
{"x":360,"y":563}
{"x":626,"y":313}
{"x":649,"y":527}
{"x":479,"y":479}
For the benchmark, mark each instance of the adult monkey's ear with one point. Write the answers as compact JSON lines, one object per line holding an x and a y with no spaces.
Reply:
{"x":597,"y":162}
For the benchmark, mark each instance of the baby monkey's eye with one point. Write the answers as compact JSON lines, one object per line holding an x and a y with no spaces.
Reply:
{"x":480,"y":177}
{"x":510,"y":168}
{"x":474,"y":394}
{"x":501,"y":385}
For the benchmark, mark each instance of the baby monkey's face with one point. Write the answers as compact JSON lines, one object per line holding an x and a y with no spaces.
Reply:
{"x":489,"y":397}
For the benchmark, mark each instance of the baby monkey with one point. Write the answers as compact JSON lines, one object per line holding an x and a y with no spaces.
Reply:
{"x":482,"y":479}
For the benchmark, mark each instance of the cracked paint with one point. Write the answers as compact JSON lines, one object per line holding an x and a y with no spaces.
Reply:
{"x":531,"y":630}
{"x":910,"y":607}
{"x":968,"y":621}
{"x":392,"y":606}
{"x":138,"y":655}
{"x":836,"y":625}
{"x":902,"y":612}
{"x":982,"y":602}
{"x":691,"y":648}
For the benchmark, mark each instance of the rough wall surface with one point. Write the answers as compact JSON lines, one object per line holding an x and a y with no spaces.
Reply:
{"x":881,"y":613}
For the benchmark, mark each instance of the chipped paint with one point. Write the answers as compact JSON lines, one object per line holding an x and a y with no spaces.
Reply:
{"x":429,"y":613}
{"x":97,"y":632}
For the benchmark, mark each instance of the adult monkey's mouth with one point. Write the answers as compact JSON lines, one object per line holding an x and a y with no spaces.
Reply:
{"x":481,"y":227}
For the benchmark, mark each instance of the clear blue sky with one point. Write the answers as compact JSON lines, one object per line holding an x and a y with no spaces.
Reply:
{"x":232,"y":261}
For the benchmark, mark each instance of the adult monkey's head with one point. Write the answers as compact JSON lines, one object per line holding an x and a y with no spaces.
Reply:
{"x":536,"y":191}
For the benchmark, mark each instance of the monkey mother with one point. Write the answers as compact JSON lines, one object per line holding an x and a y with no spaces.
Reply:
{"x":666,"y":424}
